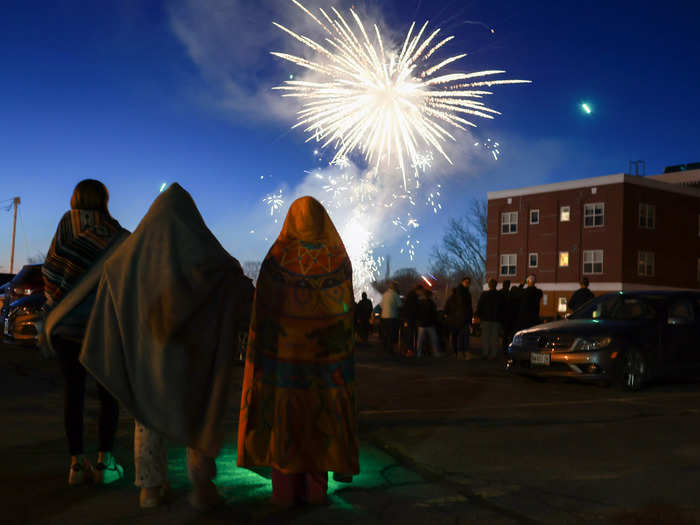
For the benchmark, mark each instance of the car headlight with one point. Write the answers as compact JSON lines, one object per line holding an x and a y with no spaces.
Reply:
{"x":590,"y":344}
{"x":517,"y":340}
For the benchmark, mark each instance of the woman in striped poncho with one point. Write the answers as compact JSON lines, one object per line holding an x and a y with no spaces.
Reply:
{"x":83,"y":235}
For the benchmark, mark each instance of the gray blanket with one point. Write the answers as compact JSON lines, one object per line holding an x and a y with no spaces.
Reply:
{"x":163,"y":331}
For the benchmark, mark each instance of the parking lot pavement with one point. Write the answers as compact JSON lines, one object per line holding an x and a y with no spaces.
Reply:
{"x":442,"y":441}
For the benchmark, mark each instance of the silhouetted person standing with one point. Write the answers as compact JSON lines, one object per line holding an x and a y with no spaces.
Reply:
{"x":363,"y":313}
{"x":488,"y":310}
{"x":529,"y":310}
{"x":580,"y":296}
{"x":391,"y":304}
{"x":408,"y":313}
{"x":510,"y":298}
{"x":459,"y":317}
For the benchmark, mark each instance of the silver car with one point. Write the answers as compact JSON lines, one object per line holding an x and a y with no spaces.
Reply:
{"x":628,"y":338}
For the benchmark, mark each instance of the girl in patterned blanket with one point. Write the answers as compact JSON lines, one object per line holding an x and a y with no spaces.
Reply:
{"x":298,"y":411}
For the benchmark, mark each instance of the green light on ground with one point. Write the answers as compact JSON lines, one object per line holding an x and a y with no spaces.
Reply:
{"x":586,"y":108}
{"x":240,"y":485}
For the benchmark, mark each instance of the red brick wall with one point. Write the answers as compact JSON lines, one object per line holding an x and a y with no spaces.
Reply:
{"x":551,"y":236}
{"x":675,"y":240}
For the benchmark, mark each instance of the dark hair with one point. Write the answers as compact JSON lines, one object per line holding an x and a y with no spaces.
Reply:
{"x":467,"y":278}
{"x":90,"y":194}
{"x":364,"y":295}
{"x":584,"y":281}
{"x":492,"y":284}
{"x":506,"y":284}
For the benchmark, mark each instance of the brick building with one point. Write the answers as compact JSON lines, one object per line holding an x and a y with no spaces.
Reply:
{"x":623,"y":232}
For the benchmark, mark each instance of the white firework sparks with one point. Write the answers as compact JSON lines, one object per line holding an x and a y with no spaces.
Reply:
{"x":491,"y":146}
{"x":423,"y":161}
{"x":383,"y":104}
{"x":341,"y":162}
{"x":433,"y":199}
{"x":359,"y":243}
{"x":274,"y":202}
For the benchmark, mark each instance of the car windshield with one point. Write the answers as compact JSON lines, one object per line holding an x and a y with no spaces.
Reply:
{"x":619,"y":307}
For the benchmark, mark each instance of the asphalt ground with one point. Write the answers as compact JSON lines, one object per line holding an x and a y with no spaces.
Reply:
{"x":442,"y":441}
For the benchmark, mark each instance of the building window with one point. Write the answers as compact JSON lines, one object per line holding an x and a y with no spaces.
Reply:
{"x":645,"y":264}
{"x":544,"y":299}
{"x":647,"y":216}
{"x":534,"y":216}
{"x":561,"y":307}
{"x":563,"y":259}
{"x":565,"y":214}
{"x":592,"y":261}
{"x":532,"y":260}
{"x":509,"y":222}
{"x":594,"y":214}
{"x":508,"y":263}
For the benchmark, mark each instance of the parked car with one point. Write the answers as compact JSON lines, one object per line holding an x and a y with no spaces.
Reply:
{"x":627,"y":338}
{"x":4,"y":290}
{"x":27,"y":282}
{"x":24,"y":318}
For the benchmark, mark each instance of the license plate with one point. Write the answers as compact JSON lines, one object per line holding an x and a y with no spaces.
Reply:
{"x":539,"y":359}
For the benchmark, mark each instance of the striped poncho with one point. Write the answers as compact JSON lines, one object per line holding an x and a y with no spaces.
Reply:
{"x":81,"y":237}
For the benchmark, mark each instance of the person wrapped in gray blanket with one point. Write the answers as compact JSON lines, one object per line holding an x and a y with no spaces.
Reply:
{"x":162,"y":338}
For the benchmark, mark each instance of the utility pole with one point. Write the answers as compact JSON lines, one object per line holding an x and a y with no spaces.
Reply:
{"x":15,"y":203}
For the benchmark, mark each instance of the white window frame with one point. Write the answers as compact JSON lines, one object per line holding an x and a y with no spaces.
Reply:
{"x":568,"y":260}
{"x":591,"y":210}
{"x":646,"y":266}
{"x":529,"y":260}
{"x":562,"y":305}
{"x":538,"y":216}
{"x":590,"y":257}
{"x":511,"y":262}
{"x":647,"y":213}
{"x":509,"y":221}
{"x":567,"y":210}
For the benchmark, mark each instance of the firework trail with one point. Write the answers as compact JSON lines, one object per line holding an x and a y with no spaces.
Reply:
{"x":387,"y":105}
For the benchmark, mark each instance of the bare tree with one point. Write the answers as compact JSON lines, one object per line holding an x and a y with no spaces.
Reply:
{"x":406,"y":278}
{"x":252,"y":269}
{"x":463,"y":246}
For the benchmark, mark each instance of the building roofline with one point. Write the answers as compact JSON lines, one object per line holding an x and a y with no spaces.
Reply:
{"x":618,"y":178}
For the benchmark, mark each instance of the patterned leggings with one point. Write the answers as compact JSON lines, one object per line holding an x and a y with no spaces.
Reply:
{"x":151,"y":460}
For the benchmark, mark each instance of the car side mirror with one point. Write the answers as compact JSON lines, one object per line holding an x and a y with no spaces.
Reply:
{"x":678,"y":320}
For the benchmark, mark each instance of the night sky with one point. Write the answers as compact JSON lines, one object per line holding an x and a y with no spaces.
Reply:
{"x":140,"y":93}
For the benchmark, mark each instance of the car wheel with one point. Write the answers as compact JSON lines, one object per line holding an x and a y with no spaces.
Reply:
{"x":634,"y":370}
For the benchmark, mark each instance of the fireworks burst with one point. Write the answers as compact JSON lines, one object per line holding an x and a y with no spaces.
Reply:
{"x":385,"y":104}
{"x":491,"y":146}
{"x":423,"y":161}
{"x":274,"y":202}
{"x":433,"y":199}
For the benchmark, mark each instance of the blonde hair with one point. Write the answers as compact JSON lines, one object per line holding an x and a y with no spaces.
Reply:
{"x":90,"y":194}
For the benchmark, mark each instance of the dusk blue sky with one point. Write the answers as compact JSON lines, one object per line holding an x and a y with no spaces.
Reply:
{"x":139,"y":93}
